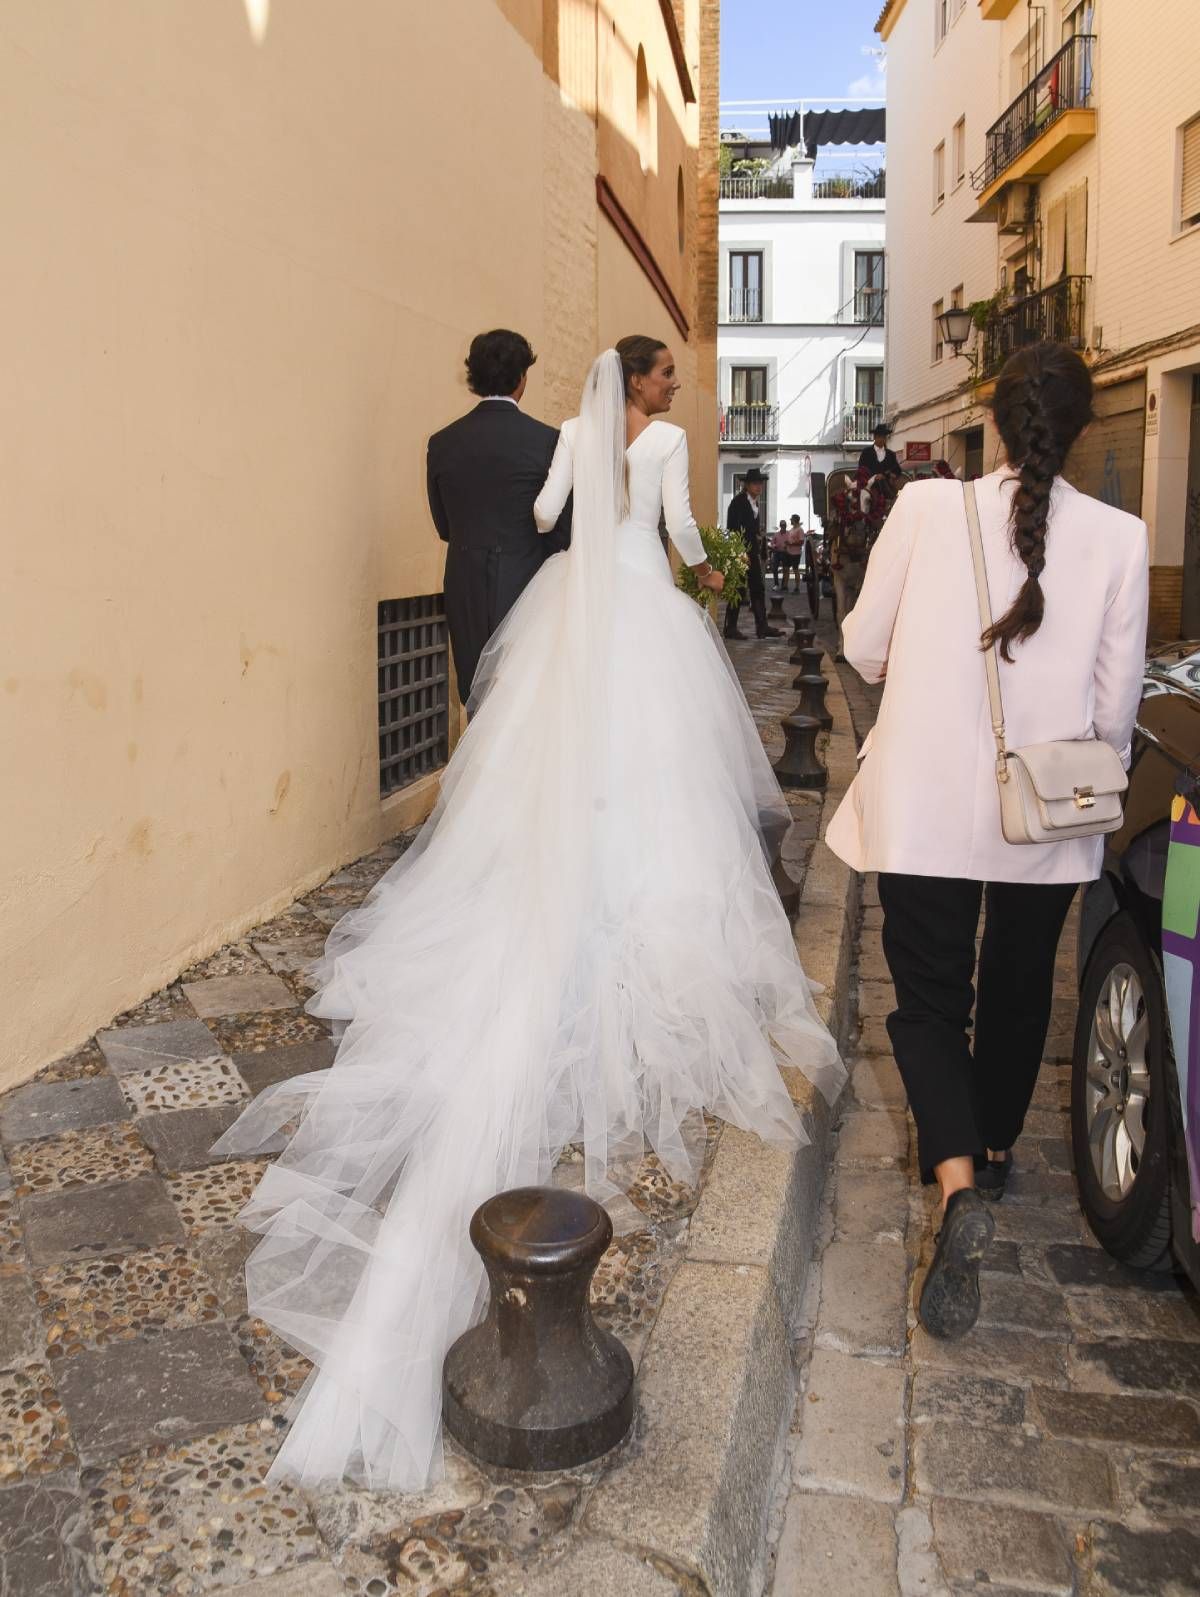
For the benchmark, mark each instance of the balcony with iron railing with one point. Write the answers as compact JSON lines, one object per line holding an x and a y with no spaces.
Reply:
{"x":859,"y":423}
{"x":745,"y":305}
{"x":1055,"y":314}
{"x":750,"y":424}
{"x":866,"y":308}
{"x":803,"y":183}
{"x":1046,"y":123}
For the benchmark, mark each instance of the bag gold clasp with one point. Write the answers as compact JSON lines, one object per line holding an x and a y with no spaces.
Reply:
{"x":1085,"y":798}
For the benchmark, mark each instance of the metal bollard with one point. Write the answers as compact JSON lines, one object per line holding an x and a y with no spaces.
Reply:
{"x":776,"y":612}
{"x":812,"y":699}
{"x":801,"y":628}
{"x":537,"y":1385}
{"x":799,"y":766}
{"x":810,"y":660}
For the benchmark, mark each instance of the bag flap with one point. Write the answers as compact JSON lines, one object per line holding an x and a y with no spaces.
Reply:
{"x":1058,"y":769}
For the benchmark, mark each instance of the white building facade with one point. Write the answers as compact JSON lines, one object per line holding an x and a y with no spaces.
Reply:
{"x":1045,"y":170}
{"x":800,"y":338}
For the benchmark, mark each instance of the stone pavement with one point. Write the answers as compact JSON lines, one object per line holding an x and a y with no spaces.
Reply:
{"x":1057,"y":1448}
{"x":141,"y":1405}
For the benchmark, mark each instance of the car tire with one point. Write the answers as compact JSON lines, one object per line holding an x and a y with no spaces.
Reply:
{"x":1119,"y":1091}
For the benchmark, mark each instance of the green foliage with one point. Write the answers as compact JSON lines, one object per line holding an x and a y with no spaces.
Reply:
{"x":982,"y":310}
{"x":726,"y":553}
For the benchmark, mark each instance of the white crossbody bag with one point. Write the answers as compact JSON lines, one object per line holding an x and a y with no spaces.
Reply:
{"x":1048,"y":791}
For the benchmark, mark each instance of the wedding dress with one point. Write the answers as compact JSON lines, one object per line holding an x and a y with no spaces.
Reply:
{"x":583,"y":945}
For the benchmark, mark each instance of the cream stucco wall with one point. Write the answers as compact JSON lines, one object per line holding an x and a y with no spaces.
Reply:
{"x":1145,"y":277}
{"x":238,"y":282}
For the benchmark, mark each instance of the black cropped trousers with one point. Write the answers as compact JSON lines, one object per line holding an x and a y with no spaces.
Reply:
{"x":967,"y":1099}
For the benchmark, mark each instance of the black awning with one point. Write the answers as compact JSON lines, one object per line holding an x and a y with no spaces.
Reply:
{"x":827,"y":127}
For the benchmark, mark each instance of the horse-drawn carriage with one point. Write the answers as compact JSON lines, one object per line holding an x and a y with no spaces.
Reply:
{"x":856,"y":509}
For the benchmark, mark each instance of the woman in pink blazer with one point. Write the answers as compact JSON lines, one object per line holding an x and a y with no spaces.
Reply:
{"x":1068,"y":580}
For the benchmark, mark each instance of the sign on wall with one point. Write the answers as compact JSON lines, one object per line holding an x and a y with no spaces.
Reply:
{"x":918,"y":451}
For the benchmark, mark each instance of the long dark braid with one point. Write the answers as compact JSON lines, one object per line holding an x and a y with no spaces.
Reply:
{"x":1042,"y":403}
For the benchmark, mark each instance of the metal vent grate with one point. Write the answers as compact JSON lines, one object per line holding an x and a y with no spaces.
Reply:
{"x":414,"y":690}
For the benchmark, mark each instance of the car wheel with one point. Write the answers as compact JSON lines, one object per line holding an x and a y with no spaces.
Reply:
{"x":1120,"y":1118}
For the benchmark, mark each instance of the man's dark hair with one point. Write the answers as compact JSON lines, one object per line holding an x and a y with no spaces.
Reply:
{"x":795,"y":521}
{"x":497,"y":361}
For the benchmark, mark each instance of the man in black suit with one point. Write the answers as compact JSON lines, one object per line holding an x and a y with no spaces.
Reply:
{"x":484,"y":472}
{"x":877,"y":457}
{"x":743,"y":518}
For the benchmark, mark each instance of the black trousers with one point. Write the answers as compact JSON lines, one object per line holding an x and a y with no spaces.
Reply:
{"x":757,"y":591}
{"x":965,"y":1102}
{"x":482,"y":585}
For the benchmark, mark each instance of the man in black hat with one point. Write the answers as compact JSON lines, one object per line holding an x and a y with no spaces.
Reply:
{"x":877,"y":457}
{"x":743,"y":518}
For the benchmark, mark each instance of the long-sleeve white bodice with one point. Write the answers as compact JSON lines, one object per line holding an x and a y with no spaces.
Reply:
{"x":658,"y":484}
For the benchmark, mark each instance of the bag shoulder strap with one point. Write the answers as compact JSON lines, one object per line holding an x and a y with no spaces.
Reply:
{"x":991,"y":666}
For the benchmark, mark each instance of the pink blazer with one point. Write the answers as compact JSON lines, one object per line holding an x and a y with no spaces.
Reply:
{"x":925,"y":800}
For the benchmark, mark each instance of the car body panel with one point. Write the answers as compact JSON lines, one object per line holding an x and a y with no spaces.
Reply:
{"x":1165,"y":770}
{"x":1181,"y":975}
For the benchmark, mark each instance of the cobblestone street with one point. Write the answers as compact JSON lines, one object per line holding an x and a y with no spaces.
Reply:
{"x":1056,"y":1449}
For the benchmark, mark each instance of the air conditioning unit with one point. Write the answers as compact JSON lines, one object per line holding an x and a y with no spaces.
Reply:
{"x":1013,"y":208}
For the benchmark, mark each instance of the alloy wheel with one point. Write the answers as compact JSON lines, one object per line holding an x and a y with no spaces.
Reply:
{"x":1118,"y":1082}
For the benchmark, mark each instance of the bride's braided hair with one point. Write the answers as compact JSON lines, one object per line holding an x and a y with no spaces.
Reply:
{"x":1043,"y":401}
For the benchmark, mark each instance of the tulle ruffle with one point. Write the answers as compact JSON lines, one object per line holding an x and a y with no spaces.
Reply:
{"x":583,"y":946}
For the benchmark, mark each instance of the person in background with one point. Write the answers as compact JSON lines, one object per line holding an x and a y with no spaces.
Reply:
{"x":795,"y":551}
{"x":743,"y":518}
{"x":779,"y":557}
{"x":877,"y":457}
{"x":1068,"y":577}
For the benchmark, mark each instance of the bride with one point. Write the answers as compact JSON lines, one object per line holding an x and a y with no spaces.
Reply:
{"x":584,"y":945}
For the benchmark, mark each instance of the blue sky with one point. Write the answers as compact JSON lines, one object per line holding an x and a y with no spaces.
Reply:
{"x":799,"y":49}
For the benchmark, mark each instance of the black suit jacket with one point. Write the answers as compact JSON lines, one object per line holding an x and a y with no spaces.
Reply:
{"x":743,"y":518}
{"x":484,"y":472}
{"x":869,"y":463}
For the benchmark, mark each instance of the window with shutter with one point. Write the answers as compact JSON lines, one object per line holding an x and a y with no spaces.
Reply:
{"x":1054,"y":242}
{"x":1077,"y":209}
{"x":1189,"y":196}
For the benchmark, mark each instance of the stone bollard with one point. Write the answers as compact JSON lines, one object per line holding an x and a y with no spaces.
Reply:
{"x":799,"y":766}
{"x":801,"y":631}
{"x":776,"y":612}
{"x":537,"y":1384}
{"x":812,"y":699}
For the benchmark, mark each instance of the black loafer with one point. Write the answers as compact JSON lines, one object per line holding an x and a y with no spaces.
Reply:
{"x":949,"y":1303}
{"x":991,"y":1177}
{"x":771,"y":632}
{"x":736,"y":637}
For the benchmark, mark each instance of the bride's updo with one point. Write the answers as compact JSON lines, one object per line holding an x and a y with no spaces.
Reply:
{"x":638,"y":354}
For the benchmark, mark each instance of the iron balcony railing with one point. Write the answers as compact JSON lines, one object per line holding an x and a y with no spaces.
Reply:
{"x":734,"y":187}
{"x":1064,"y":84}
{"x":859,"y":423}
{"x":868,"y":307}
{"x":848,"y":186}
{"x":750,"y":424}
{"x":872,"y":186}
{"x":1055,"y":314}
{"x":745,"y":305}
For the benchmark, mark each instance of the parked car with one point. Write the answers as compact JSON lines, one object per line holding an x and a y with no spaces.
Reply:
{"x":1135,"y":1089}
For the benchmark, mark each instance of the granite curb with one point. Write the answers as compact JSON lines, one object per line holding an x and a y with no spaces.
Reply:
{"x":716,"y":1386}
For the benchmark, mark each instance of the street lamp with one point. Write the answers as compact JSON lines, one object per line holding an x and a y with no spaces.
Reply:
{"x":956,"y":325}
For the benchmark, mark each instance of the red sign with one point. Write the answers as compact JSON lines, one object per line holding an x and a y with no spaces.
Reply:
{"x":913,"y":451}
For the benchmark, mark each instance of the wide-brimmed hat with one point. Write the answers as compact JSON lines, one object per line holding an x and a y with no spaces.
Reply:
{"x":754,"y":475}
{"x":882,"y":428}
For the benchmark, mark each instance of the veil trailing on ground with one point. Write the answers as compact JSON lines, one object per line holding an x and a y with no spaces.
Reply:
{"x":553,"y":961}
